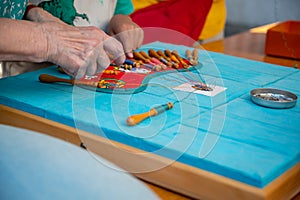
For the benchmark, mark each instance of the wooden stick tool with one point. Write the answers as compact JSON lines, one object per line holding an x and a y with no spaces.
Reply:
{"x":135,"y":119}
{"x":45,"y":78}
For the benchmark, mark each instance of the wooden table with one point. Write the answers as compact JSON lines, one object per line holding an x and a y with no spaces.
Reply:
{"x":249,"y":45}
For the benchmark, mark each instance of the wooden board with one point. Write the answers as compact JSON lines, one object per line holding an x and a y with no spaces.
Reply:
{"x":178,"y":177}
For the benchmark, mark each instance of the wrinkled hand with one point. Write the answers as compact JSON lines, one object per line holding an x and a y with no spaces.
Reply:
{"x":80,"y":50}
{"x":127,"y":32}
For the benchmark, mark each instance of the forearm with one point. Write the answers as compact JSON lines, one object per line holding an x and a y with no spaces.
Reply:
{"x":127,"y":32}
{"x":22,"y":41}
{"x":119,"y":23}
{"x":37,"y":14}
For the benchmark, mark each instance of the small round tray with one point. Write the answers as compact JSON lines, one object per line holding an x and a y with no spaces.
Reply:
{"x":273,"y":98}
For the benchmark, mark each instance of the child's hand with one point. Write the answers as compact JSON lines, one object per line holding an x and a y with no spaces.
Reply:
{"x":127,"y":32}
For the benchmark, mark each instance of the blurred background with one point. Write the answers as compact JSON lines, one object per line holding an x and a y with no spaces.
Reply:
{"x":245,"y":14}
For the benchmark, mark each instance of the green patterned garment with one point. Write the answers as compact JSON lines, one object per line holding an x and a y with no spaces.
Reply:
{"x":124,"y":7}
{"x":13,"y":9}
{"x":63,"y":9}
{"x":68,"y":12}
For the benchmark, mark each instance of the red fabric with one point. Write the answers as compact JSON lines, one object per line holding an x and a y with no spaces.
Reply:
{"x":185,"y":16}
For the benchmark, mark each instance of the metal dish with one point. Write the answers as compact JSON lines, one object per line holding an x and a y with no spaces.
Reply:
{"x":273,"y":98}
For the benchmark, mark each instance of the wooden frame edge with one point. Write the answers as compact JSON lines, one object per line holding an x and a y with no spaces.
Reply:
{"x":285,"y":186}
{"x":175,"y":176}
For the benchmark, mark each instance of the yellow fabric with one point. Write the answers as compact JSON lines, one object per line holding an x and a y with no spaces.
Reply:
{"x":138,"y":4}
{"x":215,"y":21}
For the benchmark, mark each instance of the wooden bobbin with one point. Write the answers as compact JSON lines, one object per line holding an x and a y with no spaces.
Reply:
{"x":176,"y":54}
{"x":152,"y":61}
{"x":145,"y":55}
{"x":160,"y":58}
{"x":190,"y":58}
{"x":188,"y":55}
{"x":153,"y":53}
{"x":161,"y":53}
{"x":172,"y":56}
{"x":175,"y":62}
{"x":135,"y":119}
{"x":195,"y":54}
{"x":139,"y":56}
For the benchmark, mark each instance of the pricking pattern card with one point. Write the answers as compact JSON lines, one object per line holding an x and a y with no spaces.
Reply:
{"x":188,"y":87}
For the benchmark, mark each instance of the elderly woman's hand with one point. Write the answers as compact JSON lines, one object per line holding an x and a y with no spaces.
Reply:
{"x":80,"y":50}
{"x":127,"y":32}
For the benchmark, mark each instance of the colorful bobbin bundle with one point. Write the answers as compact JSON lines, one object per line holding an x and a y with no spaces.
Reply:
{"x":160,"y":60}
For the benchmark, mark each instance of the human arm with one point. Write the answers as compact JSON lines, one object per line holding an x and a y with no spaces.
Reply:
{"x":124,"y":29}
{"x":20,"y":41}
{"x":127,"y":32}
{"x":37,"y":14}
{"x":78,"y":50}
